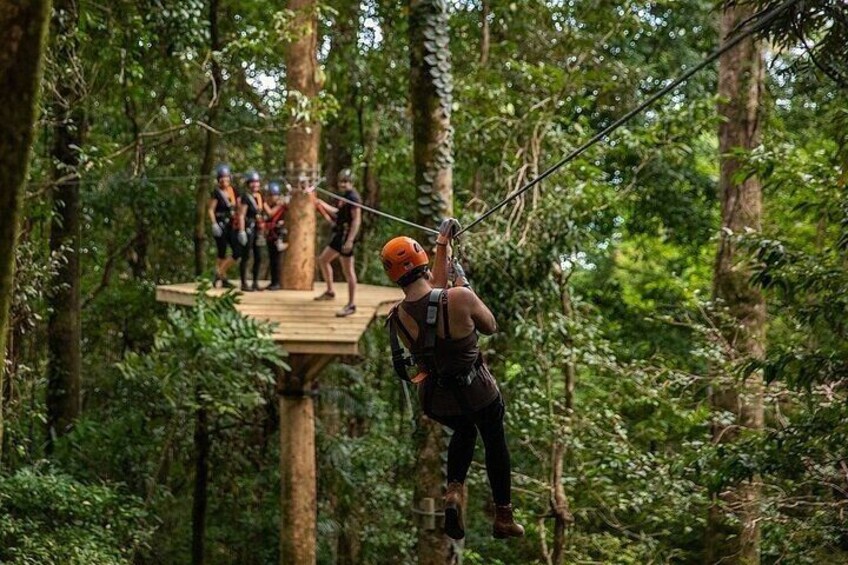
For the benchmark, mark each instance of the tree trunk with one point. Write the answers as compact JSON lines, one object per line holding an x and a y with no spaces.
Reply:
{"x":485,"y":38}
{"x":302,"y":142}
{"x":732,"y":531}
{"x":298,"y":488}
{"x":64,"y":330}
{"x":431,"y":84}
{"x":558,"y":501}
{"x":370,"y":136}
{"x":341,"y":81}
{"x":23,"y":24}
{"x":201,"y":195}
{"x":202,"y":447}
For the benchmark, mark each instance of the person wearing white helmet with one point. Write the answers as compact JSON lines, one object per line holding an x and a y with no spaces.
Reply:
{"x":347,"y":218}
{"x":275,"y":213}
{"x":224,"y":217}
{"x":251,"y":208}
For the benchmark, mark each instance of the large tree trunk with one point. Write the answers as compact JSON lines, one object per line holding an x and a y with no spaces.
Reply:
{"x":302,"y":142}
{"x":23,"y":25}
{"x":64,"y":330}
{"x":733,"y":533}
{"x":201,"y":195}
{"x":202,"y":448}
{"x":341,"y":80}
{"x":431,"y":84}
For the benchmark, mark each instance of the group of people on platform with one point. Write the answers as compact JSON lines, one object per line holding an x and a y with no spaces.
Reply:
{"x":244,"y":223}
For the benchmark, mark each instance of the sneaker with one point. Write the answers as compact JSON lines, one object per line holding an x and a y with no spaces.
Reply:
{"x":255,"y":287}
{"x":273,"y":287}
{"x":346,"y":311}
{"x":326,"y":296}
{"x":226,"y":284}
{"x":245,"y":288}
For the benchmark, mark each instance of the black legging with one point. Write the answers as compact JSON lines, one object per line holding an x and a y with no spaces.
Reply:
{"x":490,"y":423}
{"x":257,"y":258}
{"x":274,"y":262}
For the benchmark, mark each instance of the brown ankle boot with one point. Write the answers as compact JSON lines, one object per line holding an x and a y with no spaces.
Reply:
{"x":454,"y":503}
{"x":505,"y":526}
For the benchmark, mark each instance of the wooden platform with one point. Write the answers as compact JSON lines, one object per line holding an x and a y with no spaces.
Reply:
{"x":304,"y":325}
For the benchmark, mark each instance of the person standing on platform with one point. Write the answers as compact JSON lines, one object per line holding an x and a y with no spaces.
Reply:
{"x":251,"y":208}
{"x":224,"y":218}
{"x":348,"y":218}
{"x":275,"y":231}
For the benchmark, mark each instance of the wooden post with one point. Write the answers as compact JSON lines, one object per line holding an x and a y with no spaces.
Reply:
{"x":298,"y":489}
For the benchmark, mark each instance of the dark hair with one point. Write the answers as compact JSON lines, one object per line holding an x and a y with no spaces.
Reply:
{"x":413,"y":275}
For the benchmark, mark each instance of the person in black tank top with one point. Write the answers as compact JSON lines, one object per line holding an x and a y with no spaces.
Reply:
{"x":251,"y":204}
{"x":346,"y":217}
{"x":455,"y":387}
{"x":222,"y":210}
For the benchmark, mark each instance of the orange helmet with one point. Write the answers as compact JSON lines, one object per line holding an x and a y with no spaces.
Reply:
{"x":401,"y":255}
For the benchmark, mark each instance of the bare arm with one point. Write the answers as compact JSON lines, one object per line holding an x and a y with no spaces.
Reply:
{"x":211,"y":209}
{"x":242,"y":215}
{"x":270,"y":210}
{"x":440,"y":265}
{"x":483,"y":318}
{"x":356,"y":221}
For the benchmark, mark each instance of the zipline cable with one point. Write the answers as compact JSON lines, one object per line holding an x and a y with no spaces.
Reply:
{"x":374,"y":210}
{"x":731,"y":43}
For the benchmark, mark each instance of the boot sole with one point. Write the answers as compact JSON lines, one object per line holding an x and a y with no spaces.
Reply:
{"x":453,"y":519}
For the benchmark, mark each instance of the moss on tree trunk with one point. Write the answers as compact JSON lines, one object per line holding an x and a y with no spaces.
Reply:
{"x":23,"y":24}
{"x":431,"y":86}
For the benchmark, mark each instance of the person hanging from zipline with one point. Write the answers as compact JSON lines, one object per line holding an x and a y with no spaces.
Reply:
{"x":275,"y":213}
{"x":251,"y":209}
{"x":347,"y":219}
{"x":439,"y":326}
{"x":227,"y":225}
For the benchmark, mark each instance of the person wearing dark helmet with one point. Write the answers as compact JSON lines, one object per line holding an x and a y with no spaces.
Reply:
{"x":224,"y":217}
{"x":439,"y":327}
{"x":275,"y":214}
{"x":251,"y":208}
{"x":347,"y":218}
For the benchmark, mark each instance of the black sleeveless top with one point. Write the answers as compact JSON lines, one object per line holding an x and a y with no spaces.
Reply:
{"x":453,"y":357}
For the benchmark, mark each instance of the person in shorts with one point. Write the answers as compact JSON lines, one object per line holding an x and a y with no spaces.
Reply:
{"x":347,"y":219}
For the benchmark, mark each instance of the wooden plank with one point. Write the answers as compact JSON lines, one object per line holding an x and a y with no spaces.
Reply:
{"x":303,"y":325}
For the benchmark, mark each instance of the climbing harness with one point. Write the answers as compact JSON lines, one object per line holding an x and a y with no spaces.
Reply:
{"x":425,"y":360}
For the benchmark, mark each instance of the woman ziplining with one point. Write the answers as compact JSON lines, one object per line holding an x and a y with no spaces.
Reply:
{"x":439,"y":326}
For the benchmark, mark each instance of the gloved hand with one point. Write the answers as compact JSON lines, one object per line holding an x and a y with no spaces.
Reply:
{"x":448,"y":230}
{"x":217,"y":230}
{"x":242,"y":237}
